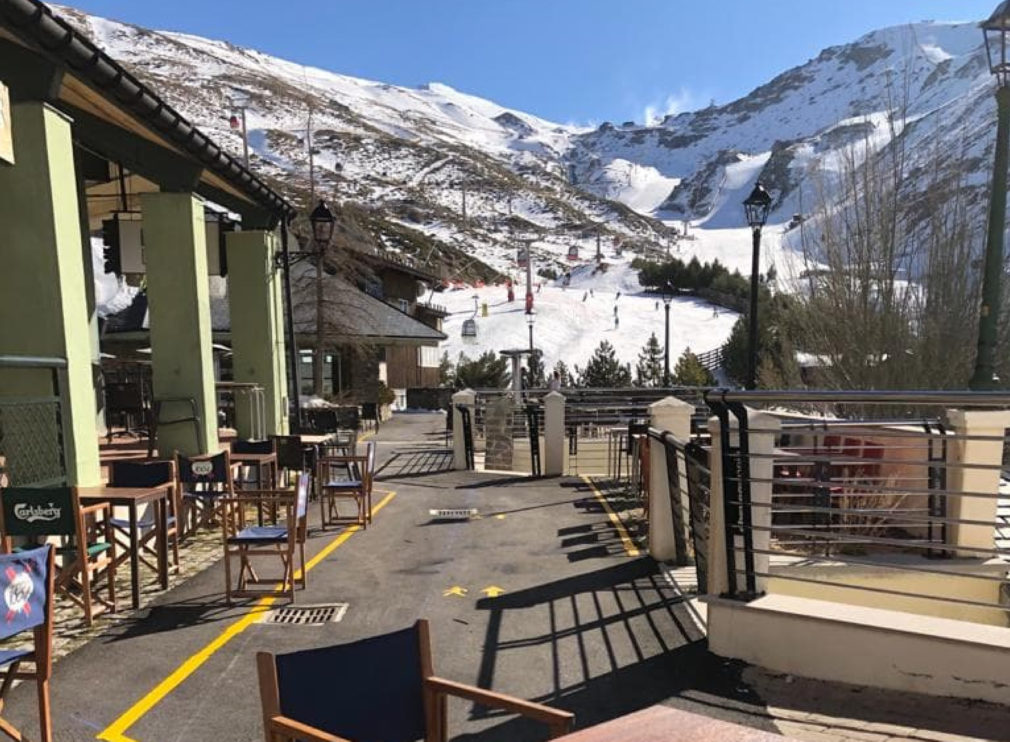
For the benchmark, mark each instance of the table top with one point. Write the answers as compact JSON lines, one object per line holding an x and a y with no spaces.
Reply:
{"x":254,"y":458}
{"x":125,"y":495}
{"x":662,"y":724}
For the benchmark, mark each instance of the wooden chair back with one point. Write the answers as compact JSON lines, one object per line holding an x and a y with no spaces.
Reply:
{"x":210,"y":474}
{"x":239,"y":446}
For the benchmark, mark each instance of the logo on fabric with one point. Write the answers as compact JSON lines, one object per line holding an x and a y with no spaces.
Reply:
{"x":203,"y":468}
{"x":31,"y":513}
{"x":18,"y":593}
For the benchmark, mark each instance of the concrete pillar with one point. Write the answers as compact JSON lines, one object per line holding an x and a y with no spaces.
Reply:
{"x":764,"y":428}
{"x":467,"y":398}
{"x":178,"y":295}
{"x":554,"y":434}
{"x":669,"y":521}
{"x":960,"y":478}
{"x":44,"y":296}
{"x":257,"y":326}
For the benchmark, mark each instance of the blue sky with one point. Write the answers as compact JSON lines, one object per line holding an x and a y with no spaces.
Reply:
{"x":579,"y":61}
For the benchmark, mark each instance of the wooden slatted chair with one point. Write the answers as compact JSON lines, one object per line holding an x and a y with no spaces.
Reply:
{"x":144,"y":473}
{"x":26,"y":593}
{"x":383,"y":688}
{"x":203,"y":482}
{"x":346,"y":478}
{"x":244,"y":541}
{"x":87,"y":554}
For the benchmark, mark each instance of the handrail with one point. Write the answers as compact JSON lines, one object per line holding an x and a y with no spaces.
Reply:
{"x":32,"y":362}
{"x":929,"y":398}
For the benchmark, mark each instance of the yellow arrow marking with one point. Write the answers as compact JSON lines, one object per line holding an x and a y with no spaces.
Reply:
{"x":456,"y":590}
{"x":500,"y":516}
{"x":493,"y":591}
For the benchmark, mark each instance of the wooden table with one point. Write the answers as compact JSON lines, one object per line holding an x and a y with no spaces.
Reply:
{"x":132,"y":498}
{"x":261,"y":461}
{"x":665,"y":724}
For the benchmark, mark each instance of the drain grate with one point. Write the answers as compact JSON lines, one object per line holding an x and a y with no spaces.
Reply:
{"x":453,"y":513}
{"x":307,"y":615}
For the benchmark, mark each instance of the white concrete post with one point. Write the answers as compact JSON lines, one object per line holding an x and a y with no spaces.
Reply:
{"x":467,"y":398}
{"x":764,"y":430}
{"x":961,"y":478}
{"x":667,"y":527}
{"x":554,"y":434}
{"x":718,"y":580}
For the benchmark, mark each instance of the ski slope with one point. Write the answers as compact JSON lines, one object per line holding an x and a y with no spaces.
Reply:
{"x":569,"y":329}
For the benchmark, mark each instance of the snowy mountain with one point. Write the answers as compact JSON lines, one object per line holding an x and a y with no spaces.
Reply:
{"x":927,"y":83}
{"x":454,"y":182}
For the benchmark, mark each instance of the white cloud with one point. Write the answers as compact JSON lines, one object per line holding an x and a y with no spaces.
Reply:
{"x":671,"y":105}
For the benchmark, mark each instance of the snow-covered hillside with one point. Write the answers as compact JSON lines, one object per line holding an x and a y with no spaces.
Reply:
{"x":571,"y":322}
{"x":457,"y":183}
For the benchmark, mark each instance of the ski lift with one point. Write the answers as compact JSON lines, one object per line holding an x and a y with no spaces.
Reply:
{"x":470,"y":331}
{"x":573,"y":252}
{"x":523,"y":257}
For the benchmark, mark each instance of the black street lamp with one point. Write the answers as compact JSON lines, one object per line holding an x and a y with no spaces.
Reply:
{"x":997,"y":32}
{"x":667,"y":298}
{"x":323,"y":222}
{"x":757,"y":206}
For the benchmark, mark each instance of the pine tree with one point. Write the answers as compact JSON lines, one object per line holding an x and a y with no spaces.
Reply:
{"x":690,"y":372}
{"x":489,"y":371}
{"x":535,"y":373}
{"x":604,"y":371}
{"x":649,"y":372}
{"x":445,"y":370}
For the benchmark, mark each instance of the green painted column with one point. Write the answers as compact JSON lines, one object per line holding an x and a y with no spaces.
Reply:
{"x":257,"y":326}
{"x":175,"y":254}
{"x":44,"y":295}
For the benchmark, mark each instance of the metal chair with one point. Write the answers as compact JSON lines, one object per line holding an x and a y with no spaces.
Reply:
{"x":383,"y":688}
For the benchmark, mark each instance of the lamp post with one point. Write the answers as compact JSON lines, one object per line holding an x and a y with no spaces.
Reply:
{"x":531,"y":319}
{"x":323,"y":221}
{"x":667,"y":298}
{"x":997,"y":34}
{"x":757,"y":206}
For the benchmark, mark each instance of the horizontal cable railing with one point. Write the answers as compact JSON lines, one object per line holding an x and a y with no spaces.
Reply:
{"x":840,"y":496}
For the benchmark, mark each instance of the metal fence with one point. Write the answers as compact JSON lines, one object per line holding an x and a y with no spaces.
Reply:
{"x":860,"y":505}
{"x":31,"y":427}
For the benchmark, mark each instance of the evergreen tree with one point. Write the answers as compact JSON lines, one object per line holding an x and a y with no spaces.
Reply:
{"x":561,"y":369}
{"x":649,"y":371}
{"x":489,"y":371}
{"x":445,"y":370}
{"x":690,"y":372}
{"x":535,"y":373}
{"x":604,"y":371}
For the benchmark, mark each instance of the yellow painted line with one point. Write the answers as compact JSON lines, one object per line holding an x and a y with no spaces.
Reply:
{"x":115,"y":732}
{"x":629,"y":545}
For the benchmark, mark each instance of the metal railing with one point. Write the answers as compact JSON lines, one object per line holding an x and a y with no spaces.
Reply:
{"x":32,"y":441}
{"x":877,"y":500}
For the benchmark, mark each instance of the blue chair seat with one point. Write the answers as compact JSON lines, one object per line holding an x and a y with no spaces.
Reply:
{"x":144,"y":524}
{"x":260,"y":535}
{"x":343,"y":484}
{"x":10,"y":655}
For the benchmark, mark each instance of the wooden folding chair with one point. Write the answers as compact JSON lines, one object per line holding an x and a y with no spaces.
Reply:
{"x":383,"y":688}
{"x":203,"y":482}
{"x":346,"y":478}
{"x":26,"y":593}
{"x":87,"y":565}
{"x":244,"y":541}
{"x":145,"y":473}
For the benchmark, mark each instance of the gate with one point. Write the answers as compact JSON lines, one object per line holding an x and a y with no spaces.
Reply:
{"x":464,"y":415}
